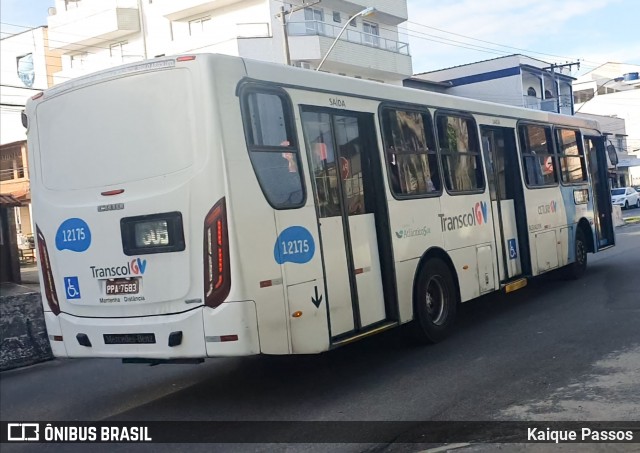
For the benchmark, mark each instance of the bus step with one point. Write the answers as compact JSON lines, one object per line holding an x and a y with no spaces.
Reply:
{"x":515,"y":285}
{"x":371,"y":331}
{"x":154,"y":362}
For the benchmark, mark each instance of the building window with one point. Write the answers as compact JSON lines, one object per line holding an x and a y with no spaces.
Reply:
{"x":581,"y":96}
{"x":412,"y":162}
{"x":353,"y":23}
{"x":571,"y":155}
{"x":460,"y":153}
{"x":79,"y":60}
{"x":198,"y":27}
{"x":548,"y":94}
{"x":532,"y":92}
{"x":371,"y":33}
{"x":336,"y":16}
{"x":69,"y":4}
{"x":538,"y":157}
{"x":11,"y":166}
{"x":314,"y":19}
{"x":116,"y":51}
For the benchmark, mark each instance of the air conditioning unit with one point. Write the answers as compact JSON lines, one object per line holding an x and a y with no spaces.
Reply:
{"x":303,"y":64}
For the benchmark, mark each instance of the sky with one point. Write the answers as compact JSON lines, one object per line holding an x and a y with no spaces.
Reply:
{"x":447,"y":33}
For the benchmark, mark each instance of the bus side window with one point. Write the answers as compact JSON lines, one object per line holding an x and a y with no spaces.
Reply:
{"x":273,"y":152}
{"x":538,"y":156}
{"x":573,"y":167}
{"x":460,"y":153}
{"x":411,"y":157}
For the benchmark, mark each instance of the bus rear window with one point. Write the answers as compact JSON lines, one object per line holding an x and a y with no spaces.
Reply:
{"x":273,"y":149}
{"x":108,"y":133}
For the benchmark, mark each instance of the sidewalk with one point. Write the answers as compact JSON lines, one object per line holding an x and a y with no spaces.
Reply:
{"x":30,"y":283}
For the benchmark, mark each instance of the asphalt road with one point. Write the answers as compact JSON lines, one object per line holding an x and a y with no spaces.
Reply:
{"x":556,"y":350}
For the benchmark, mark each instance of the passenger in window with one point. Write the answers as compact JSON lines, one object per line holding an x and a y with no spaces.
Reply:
{"x":290,"y":157}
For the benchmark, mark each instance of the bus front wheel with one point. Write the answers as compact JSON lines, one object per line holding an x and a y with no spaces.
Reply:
{"x":435,"y":302}
{"x":577,"y":269}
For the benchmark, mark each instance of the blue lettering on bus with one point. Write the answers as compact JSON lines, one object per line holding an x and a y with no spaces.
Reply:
{"x":294,"y":245}
{"x":73,"y":234}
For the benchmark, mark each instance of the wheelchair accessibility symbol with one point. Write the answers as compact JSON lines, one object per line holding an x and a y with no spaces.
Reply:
{"x":72,"y":287}
{"x":513,"y":251}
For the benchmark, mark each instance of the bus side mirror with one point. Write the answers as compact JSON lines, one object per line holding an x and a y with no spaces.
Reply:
{"x":613,"y":156}
{"x":25,"y":120}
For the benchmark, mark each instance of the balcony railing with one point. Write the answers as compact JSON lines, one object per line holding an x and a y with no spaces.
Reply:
{"x":317,"y":28}
{"x":548,"y":105}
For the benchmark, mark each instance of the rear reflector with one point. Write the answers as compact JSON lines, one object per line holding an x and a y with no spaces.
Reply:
{"x":186,"y":58}
{"x":108,"y":193}
{"x":221,"y":338}
{"x":268,"y":283}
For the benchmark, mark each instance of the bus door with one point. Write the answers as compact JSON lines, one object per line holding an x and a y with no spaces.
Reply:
{"x":507,"y":201}
{"x":350,"y":203}
{"x":602,"y":214}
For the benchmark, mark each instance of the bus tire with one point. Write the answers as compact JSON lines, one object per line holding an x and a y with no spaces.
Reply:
{"x":577,"y":269}
{"x":435,"y":302}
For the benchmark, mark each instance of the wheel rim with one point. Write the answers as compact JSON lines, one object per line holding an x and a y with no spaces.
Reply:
{"x":436,"y":300}
{"x":581,"y":252}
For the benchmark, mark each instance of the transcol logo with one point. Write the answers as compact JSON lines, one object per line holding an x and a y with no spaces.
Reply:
{"x":479,"y":215}
{"x":134,"y":267}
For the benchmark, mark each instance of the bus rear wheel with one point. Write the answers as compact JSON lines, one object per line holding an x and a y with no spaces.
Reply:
{"x":435,"y":302}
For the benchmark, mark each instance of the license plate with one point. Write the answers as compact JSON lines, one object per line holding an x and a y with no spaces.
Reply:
{"x":122,"y":286}
{"x":129,"y":338}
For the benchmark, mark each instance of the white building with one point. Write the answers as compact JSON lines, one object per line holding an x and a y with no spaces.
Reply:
{"x":515,"y":80}
{"x":613,"y":90}
{"x":95,"y":34}
{"x":27,"y":65}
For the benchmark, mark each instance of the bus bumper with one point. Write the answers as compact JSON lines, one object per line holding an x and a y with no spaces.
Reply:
{"x":228,"y":330}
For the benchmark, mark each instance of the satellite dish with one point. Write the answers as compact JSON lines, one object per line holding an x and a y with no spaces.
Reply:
{"x":52,"y":11}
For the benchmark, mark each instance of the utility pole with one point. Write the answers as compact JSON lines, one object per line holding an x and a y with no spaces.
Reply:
{"x":282,"y":15}
{"x":555,"y":82}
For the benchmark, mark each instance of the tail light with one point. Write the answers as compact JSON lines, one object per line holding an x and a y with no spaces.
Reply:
{"x":47,"y":274}
{"x":217,"y":273}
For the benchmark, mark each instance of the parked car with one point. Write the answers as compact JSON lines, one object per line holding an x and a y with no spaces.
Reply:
{"x":625,"y":197}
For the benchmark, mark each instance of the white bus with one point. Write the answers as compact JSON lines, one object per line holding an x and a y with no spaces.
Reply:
{"x":206,"y":205}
